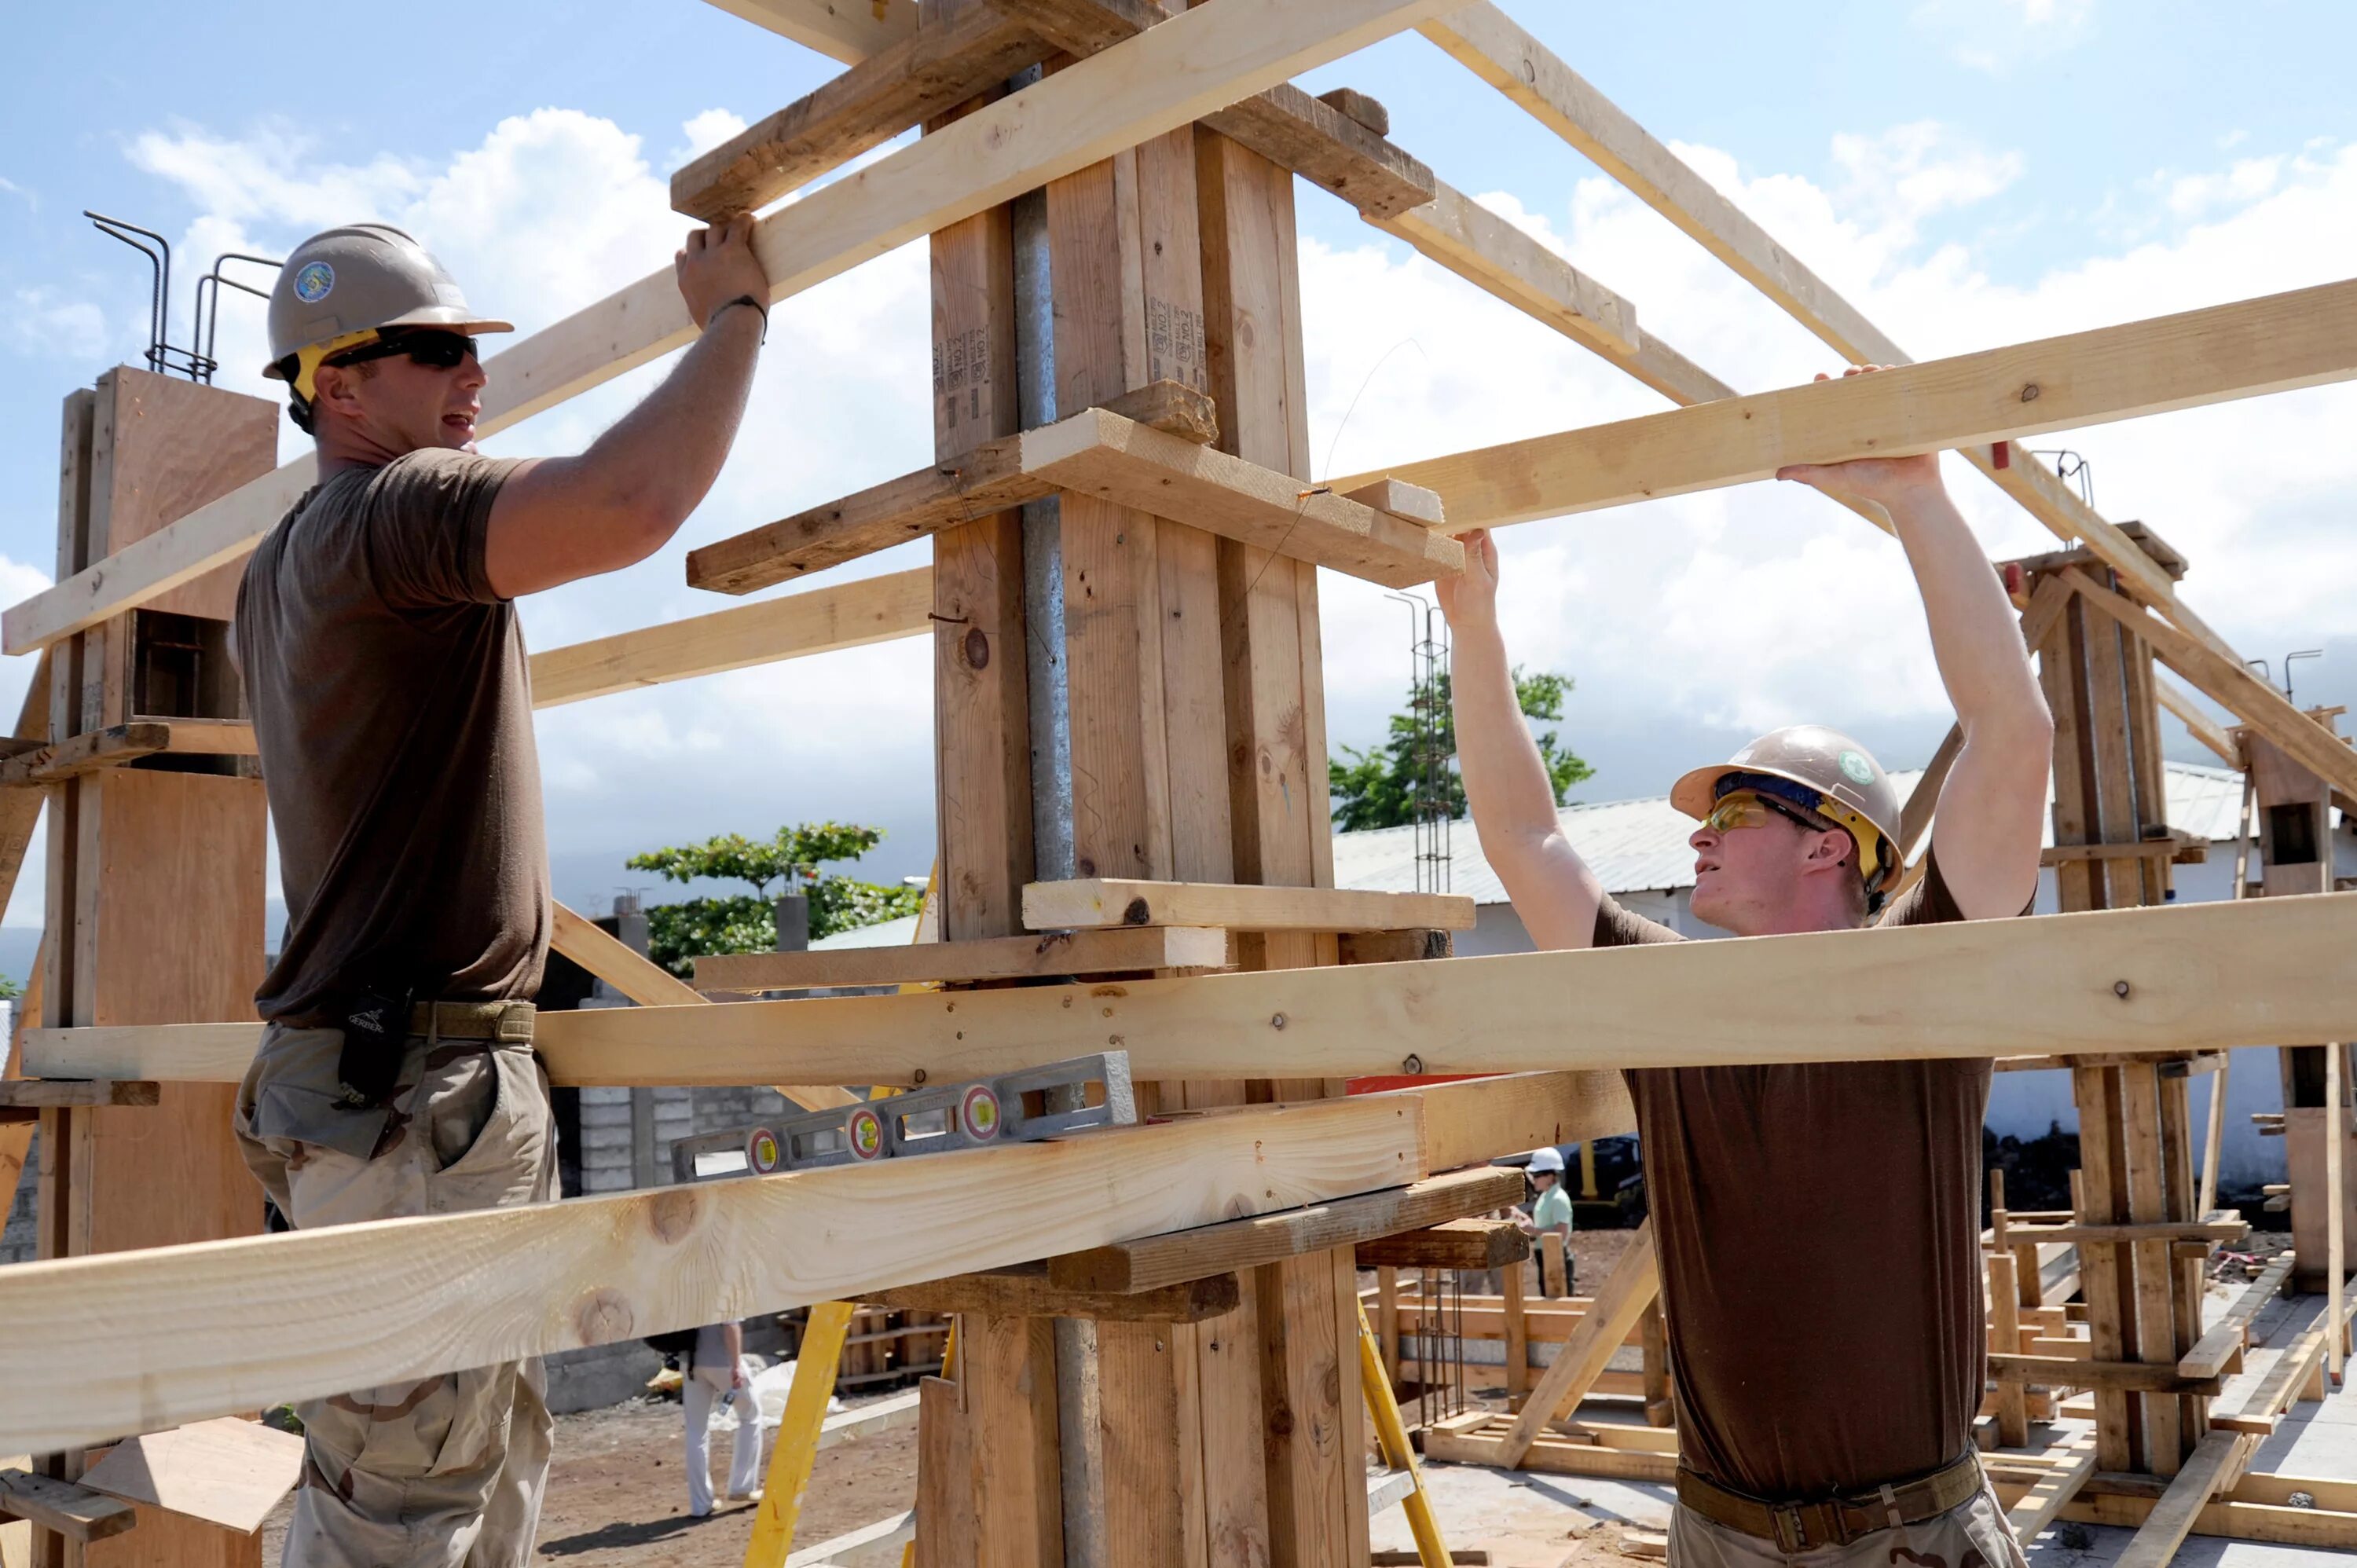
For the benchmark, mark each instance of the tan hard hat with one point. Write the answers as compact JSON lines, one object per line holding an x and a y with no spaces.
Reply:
{"x":1817,"y":758}
{"x":358,"y":279}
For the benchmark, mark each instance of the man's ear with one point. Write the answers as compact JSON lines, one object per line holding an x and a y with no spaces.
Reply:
{"x":338,"y":391}
{"x":1834,"y":848}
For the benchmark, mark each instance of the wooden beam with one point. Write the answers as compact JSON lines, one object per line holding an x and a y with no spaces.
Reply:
{"x":1452,"y":1245}
{"x":1327,"y":148}
{"x":2222,"y":1342}
{"x":1172,"y":75}
{"x":1499,"y":258}
{"x":2230,"y":684}
{"x":2231,"y":1520}
{"x":2201,"y":977}
{"x":1102,"y":902}
{"x":1153,"y":1263}
{"x":1489,"y":43}
{"x":649,"y":984}
{"x":2199,"y":725}
{"x":823,"y":620}
{"x":926,"y":72}
{"x":2074,"y":1372}
{"x":1095,"y":453}
{"x":119,"y":743}
{"x":2030,"y":1517}
{"x":104,"y":1345}
{"x":846,"y":31}
{"x":2172,"y":1519}
{"x":1025,"y":1290}
{"x":1052,"y":955}
{"x":1628,"y":1290}
{"x":2305,"y":337}
{"x":970,"y":483}
{"x":34,"y":1091}
{"x":75,"y":1512}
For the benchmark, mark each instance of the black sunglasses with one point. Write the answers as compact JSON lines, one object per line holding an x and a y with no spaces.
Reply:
{"x":427,"y":346}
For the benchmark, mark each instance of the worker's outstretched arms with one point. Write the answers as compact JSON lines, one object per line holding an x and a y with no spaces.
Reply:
{"x":1989,"y":823}
{"x":1506,"y":782}
{"x":621,"y":500}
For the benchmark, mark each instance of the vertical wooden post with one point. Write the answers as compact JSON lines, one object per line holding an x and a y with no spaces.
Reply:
{"x":156,"y":891}
{"x":2135,"y":1136}
{"x":1518,"y":1335}
{"x":1275,"y":758}
{"x":2004,"y":1335}
{"x":1661,"y":1409}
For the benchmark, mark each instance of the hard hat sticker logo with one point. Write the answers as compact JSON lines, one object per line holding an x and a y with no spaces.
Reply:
{"x":314,"y":283}
{"x":1855,"y":765}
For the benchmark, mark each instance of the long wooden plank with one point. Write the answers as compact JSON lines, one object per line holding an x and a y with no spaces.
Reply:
{"x":1103,"y":455}
{"x":1168,"y":77}
{"x":2035,"y":1510}
{"x":72,"y":1511}
{"x":822,"y":621}
{"x":2301,"y":339}
{"x":649,"y":984}
{"x":2222,"y":1341}
{"x":1500,"y":259}
{"x":2199,"y":725}
{"x":1489,"y":43}
{"x":1631,"y":1286}
{"x":2201,"y":977}
{"x":1154,"y":1262}
{"x":104,"y":1345}
{"x":2255,"y":702}
{"x":1453,"y":1244}
{"x":927,"y":73}
{"x":2078,"y":1372}
{"x":2171,"y":1519}
{"x":1056,"y":953}
{"x":847,"y":30}
{"x":1100,"y":902}
{"x":1027,"y":1291}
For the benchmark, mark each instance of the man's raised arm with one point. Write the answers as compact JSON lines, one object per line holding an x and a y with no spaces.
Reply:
{"x":621,"y":500}
{"x":1992,"y":809}
{"x":1506,"y":780}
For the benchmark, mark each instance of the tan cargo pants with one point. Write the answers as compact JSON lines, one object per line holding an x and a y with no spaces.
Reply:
{"x":448,"y":1471}
{"x":1973,"y":1534}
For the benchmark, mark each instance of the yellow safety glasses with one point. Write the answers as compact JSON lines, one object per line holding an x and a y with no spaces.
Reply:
{"x":1748,"y":809}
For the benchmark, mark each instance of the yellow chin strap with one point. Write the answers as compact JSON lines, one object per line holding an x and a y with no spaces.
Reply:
{"x":309,"y":359}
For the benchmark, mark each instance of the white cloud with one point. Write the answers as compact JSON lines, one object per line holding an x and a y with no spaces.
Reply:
{"x":42,"y":321}
{"x":705,"y":131}
{"x":2193,"y":195}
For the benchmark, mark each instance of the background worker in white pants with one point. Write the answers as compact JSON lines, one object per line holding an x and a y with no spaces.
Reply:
{"x":715,"y":1372}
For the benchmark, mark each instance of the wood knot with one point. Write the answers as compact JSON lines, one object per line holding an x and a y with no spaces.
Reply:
{"x":977,"y":649}
{"x":603,"y":1315}
{"x":1137,"y":914}
{"x":672,"y":1213}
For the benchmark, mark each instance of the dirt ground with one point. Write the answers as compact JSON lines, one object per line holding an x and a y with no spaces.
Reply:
{"x":617,"y":1493}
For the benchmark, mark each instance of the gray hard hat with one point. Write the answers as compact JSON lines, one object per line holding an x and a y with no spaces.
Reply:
{"x":1841,"y":772}
{"x":361,"y":278}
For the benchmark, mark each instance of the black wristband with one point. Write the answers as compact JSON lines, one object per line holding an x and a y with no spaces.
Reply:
{"x":731,"y":304}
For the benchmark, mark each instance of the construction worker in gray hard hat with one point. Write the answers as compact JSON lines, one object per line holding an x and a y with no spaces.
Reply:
{"x":1824,"y":1416}
{"x":384,"y":668}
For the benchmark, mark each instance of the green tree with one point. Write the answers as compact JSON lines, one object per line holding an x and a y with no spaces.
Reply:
{"x":1381,"y":787}
{"x":679,"y":933}
{"x":9,"y":990}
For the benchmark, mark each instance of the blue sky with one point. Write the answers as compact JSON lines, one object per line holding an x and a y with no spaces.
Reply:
{"x":1970,"y":173}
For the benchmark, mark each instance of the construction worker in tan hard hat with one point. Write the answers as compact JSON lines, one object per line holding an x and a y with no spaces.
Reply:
{"x":384,"y":668}
{"x":1818,"y":1226}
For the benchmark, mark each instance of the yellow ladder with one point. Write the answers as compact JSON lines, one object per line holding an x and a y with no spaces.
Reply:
{"x":790,"y":1467}
{"x":1391,"y":1436}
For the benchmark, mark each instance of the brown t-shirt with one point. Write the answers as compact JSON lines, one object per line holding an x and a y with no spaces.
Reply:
{"x":1819,"y":1233}
{"x":393,"y":707}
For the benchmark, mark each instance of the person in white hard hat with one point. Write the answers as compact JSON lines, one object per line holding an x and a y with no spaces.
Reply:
{"x":1551,"y":1211}
{"x":1831,"y":1424}
{"x":384,"y":668}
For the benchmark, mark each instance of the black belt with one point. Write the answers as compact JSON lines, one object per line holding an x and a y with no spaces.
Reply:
{"x":1833,"y":1521}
